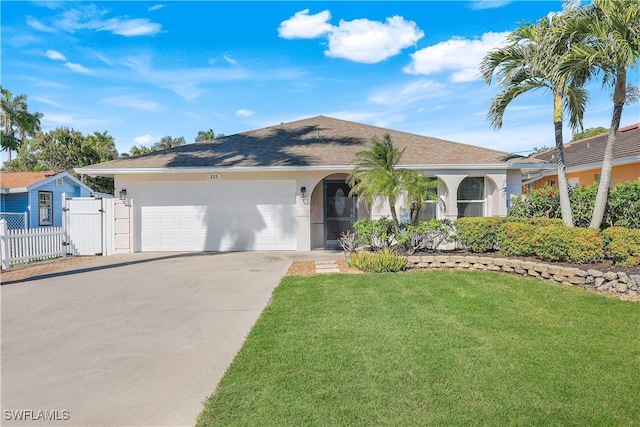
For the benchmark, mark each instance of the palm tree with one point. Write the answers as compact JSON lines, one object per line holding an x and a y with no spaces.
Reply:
{"x":530,"y":61}
{"x":169,"y":142}
{"x":375,"y":174}
{"x":612,"y":30}
{"x":420,"y":189}
{"x":205,"y":135}
{"x":16,"y":121}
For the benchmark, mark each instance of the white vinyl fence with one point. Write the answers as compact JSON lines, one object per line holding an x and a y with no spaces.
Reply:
{"x":87,"y":229}
{"x":22,"y":246}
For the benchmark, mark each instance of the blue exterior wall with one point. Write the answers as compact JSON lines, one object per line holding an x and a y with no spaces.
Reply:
{"x":28,"y":202}
{"x":67,"y":187}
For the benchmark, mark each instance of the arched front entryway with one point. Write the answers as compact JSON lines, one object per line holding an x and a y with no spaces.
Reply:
{"x":333,"y":211}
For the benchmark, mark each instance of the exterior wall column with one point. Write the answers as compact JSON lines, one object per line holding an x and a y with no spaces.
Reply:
{"x":451,"y":200}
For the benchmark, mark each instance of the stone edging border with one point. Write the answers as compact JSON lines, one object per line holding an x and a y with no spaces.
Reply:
{"x":609,"y":281}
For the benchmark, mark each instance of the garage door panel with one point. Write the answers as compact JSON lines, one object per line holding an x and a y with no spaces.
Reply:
{"x":220,"y":216}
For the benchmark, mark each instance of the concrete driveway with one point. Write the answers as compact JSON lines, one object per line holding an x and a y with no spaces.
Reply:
{"x":130,"y":340}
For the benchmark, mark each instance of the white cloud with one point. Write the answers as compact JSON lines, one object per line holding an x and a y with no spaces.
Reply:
{"x":90,"y":17}
{"x":128,"y":27}
{"x":37,"y":25}
{"x":146,"y":139}
{"x":55,"y":55}
{"x":132,"y":101}
{"x":366,"y":41}
{"x":407,"y":94}
{"x":304,"y":26}
{"x":360,"y":40}
{"x":230,"y":60}
{"x":244,"y":113}
{"x":488,"y":4}
{"x":156,"y":7}
{"x":77,"y":68}
{"x":45,"y":101}
{"x":459,"y":55}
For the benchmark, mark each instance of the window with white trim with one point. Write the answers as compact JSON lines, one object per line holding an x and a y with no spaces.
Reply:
{"x":471,"y":198}
{"x":45,"y":208}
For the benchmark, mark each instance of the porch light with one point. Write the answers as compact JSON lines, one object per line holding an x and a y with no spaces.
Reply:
{"x":303,"y":191}
{"x":123,"y":194}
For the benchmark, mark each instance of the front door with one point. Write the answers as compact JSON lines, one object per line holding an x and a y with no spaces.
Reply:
{"x":339,"y":212}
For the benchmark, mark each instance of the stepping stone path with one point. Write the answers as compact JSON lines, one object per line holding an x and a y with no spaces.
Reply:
{"x":325,"y":267}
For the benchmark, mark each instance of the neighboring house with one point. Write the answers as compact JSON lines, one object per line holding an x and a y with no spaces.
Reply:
{"x":283,"y":187}
{"x":583,"y":160}
{"x":39,"y":194}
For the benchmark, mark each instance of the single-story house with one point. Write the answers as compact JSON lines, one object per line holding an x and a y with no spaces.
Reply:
{"x":583,"y":160}
{"x":283,"y":187}
{"x":39,"y":194}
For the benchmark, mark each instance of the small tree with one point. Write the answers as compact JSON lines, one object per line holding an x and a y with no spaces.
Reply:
{"x":420,"y":189}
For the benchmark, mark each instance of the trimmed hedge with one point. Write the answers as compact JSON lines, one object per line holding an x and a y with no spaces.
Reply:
{"x":547,"y":239}
{"x":479,"y":234}
{"x":622,"y":245}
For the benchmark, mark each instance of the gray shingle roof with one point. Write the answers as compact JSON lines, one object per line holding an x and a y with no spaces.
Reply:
{"x":591,"y":150}
{"x":317,"y":141}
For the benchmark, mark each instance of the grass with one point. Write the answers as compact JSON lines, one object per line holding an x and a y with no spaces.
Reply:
{"x":434,"y":348}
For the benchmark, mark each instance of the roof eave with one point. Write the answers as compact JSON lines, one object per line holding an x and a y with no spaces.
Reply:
{"x":110,"y":172}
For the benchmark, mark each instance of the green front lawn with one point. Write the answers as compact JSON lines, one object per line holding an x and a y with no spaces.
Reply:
{"x":434,"y":348}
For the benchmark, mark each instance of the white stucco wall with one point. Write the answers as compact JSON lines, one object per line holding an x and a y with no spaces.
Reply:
{"x":500,"y":185}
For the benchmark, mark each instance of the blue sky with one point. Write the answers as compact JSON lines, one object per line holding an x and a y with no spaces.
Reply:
{"x":144,"y":70}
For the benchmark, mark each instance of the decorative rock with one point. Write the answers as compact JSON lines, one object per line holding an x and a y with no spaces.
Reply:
{"x":555,"y":270}
{"x":635,"y":278}
{"x":545,"y":275}
{"x":569,"y":271}
{"x":450,"y":264}
{"x":533,"y":273}
{"x":577,"y":280}
{"x":507,"y":269}
{"x":558,"y":278}
{"x":633,"y":293}
{"x":599,"y":281}
{"x":515,"y":263}
{"x":428,"y":258}
{"x":589,"y":280}
{"x":493,"y":268}
{"x":622,"y":287}
{"x":472,"y":259}
{"x":501,"y":262}
{"x":464,"y":265}
{"x":424,"y":265}
{"x":612,"y":285}
{"x":455,"y":258}
{"x":436,"y":265}
{"x":603,"y":287}
{"x":582,"y":273}
{"x":609,"y":275}
{"x":479,"y":266}
{"x":595,"y":273}
{"x":527,"y":265}
{"x":442,"y":258}
{"x":519,"y":270}
{"x":541,"y":268}
{"x":623,"y":277}
{"x":414,"y":259}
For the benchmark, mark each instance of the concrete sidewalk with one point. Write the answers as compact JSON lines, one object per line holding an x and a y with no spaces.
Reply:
{"x":139,"y":339}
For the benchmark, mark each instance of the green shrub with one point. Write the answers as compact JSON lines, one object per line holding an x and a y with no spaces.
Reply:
{"x":623,"y":207}
{"x":622,"y":245}
{"x":537,"y":203}
{"x":551,"y":243}
{"x":562,"y":243}
{"x":584,"y":245}
{"x":377,"y":234}
{"x":515,"y":238}
{"x":478,"y":234}
{"x":583,"y":200}
{"x":382,"y":261}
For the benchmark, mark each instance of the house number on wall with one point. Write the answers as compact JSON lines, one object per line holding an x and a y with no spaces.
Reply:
{"x":214,"y":176}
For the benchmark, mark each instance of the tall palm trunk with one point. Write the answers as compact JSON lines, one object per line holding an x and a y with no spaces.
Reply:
{"x":394,"y":215}
{"x":619,"y":97}
{"x":563,"y":187}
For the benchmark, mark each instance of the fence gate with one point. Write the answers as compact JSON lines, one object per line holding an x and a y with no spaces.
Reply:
{"x":86,"y":221}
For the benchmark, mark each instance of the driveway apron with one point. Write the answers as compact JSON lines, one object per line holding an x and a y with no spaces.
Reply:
{"x":129,"y":340}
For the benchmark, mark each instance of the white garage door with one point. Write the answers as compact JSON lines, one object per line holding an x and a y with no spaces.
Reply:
{"x":217,"y":216}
